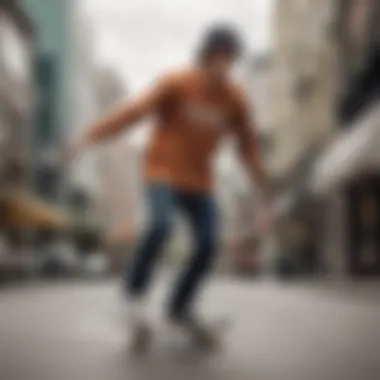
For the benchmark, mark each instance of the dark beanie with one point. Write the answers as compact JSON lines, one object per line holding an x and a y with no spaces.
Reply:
{"x":222,"y":38}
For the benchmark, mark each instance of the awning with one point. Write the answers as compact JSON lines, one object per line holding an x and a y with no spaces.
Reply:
{"x":24,"y":211}
{"x":352,"y":152}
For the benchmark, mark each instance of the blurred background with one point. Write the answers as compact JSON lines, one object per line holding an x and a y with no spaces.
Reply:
{"x":312,"y":72}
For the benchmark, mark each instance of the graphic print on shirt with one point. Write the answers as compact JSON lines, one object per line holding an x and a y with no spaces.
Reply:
{"x":200,"y":115}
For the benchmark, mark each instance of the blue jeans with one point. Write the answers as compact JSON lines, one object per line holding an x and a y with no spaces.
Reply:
{"x":200,"y":210}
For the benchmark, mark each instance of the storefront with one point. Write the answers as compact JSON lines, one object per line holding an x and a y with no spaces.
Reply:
{"x":20,"y":213}
{"x":351,"y":163}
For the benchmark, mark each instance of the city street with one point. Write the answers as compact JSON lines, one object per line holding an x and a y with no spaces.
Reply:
{"x":75,"y":331}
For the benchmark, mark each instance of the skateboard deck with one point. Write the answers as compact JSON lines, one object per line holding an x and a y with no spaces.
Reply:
{"x":176,"y":338}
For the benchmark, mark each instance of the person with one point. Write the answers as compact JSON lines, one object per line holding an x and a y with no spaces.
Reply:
{"x":193,"y":108}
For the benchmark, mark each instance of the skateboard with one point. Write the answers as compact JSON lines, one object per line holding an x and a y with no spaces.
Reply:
{"x":209,"y":339}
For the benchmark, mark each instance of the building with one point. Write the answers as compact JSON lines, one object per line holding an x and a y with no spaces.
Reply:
{"x":303,"y":80}
{"x":16,"y":121}
{"x":84,"y":101}
{"x":16,"y":93}
{"x":303,"y":89}
{"x":66,"y":69}
{"x":325,"y":96}
{"x":351,"y":163}
{"x":51,"y":20}
{"x":259,"y":80}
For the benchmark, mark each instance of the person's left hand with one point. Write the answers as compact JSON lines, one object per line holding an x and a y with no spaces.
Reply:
{"x":263,"y":221}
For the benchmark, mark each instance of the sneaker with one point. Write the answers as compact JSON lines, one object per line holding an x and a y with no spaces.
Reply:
{"x":141,"y":338}
{"x":204,"y":336}
{"x":138,"y":326}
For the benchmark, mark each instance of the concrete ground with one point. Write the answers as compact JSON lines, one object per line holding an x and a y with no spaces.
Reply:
{"x":74,"y":331}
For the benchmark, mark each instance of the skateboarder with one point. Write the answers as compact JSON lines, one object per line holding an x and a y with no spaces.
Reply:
{"x":193,"y":109}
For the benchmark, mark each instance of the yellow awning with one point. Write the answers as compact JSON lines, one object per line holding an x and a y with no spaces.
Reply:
{"x":25,"y":211}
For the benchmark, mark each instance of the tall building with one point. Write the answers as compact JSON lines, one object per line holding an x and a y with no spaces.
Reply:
{"x":66,"y":72}
{"x":16,"y":93}
{"x":84,"y":99}
{"x":16,"y":123}
{"x":351,"y":163}
{"x":111,"y":91}
{"x":326,"y":93}
{"x":304,"y":80}
{"x":303,"y":91}
{"x":51,"y":20}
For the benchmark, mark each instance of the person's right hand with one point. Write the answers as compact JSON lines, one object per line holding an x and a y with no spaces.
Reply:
{"x":75,"y":149}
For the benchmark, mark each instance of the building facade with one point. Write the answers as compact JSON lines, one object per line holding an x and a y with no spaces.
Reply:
{"x":359,"y":120}
{"x":304,"y":81}
{"x":84,"y":99}
{"x":16,"y":94}
{"x":51,"y":20}
{"x":304,"y":86}
{"x":326,"y":84}
{"x":16,"y":124}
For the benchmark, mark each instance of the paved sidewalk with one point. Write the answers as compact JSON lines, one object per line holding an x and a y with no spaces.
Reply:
{"x":74,"y":331}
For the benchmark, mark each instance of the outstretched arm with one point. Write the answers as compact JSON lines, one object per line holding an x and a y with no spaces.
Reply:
{"x":249,"y":149}
{"x":124,"y":118}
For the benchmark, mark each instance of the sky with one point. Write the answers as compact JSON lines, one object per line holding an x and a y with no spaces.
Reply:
{"x":141,"y":38}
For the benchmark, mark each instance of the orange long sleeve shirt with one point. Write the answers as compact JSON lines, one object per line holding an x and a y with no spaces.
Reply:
{"x":191,"y":118}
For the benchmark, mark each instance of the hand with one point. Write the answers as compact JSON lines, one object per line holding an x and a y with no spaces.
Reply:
{"x":264,"y":218}
{"x":76,"y":149}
